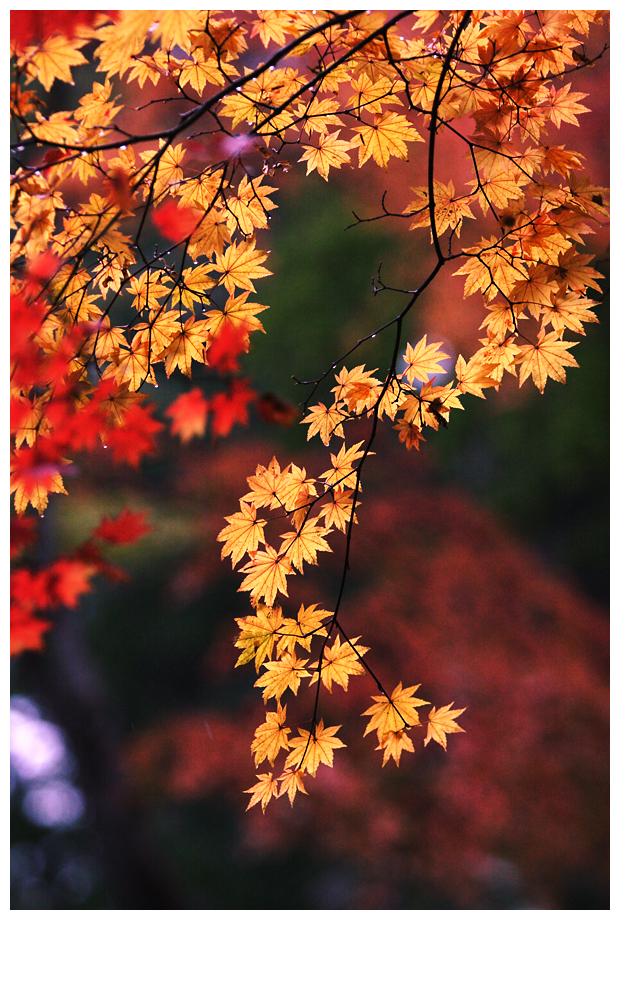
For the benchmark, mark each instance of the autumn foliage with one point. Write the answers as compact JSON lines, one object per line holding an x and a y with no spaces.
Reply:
{"x":98,"y":315}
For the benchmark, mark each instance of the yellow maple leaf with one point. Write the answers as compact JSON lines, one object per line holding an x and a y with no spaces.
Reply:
{"x":266,"y":575}
{"x":310,"y":622}
{"x":326,"y":422}
{"x":339,"y":662}
{"x":163,"y":167}
{"x":239,"y":264}
{"x":337,"y":512}
{"x":394,"y":713}
{"x":568,"y":311}
{"x":52,"y":59}
{"x":250,"y":207}
{"x":263,"y":791}
{"x":474,"y":375}
{"x":266,"y":486}
{"x":423,"y":361}
{"x":259,"y":634}
{"x":308,"y":751}
{"x":450,"y":209}
{"x":393,"y":744}
{"x":385,"y":137}
{"x":440,"y":722}
{"x":291,"y":781}
{"x":238,"y":313}
{"x":123,"y":39}
{"x":492,"y":270}
{"x":243,"y":533}
{"x":546,"y":358}
{"x":330,"y":153}
{"x":272,"y":25}
{"x":303,"y":545}
{"x":282,"y":675}
{"x":342,"y":471}
{"x":186,"y":346}
{"x":270,"y":737}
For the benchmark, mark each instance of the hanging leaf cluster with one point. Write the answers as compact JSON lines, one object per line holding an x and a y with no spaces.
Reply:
{"x":98,"y":317}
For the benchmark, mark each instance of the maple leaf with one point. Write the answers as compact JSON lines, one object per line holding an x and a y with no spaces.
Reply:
{"x":231,"y":407}
{"x":271,"y":25}
{"x":492,"y":270}
{"x":238,"y":313}
{"x":282,"y":675}
{"x":393,"y":744}
{"x":337,"y":512}
{"x":423,"y":361}
{"x":473,"y":376}
{"x":270,"y":737}
{"x":308,"y":750}
{"x":127,"y":527}
{"x":250,"y":208}
{"x":330,"y":153}
{"x":303,"y":545}
{"x":409,"y":433}
{"x":326,"y":422}
{"x":385,"y":137}
{"x":394,"y":713}
{"x":342,"y":471}
{"x":263,"y":791}
{"x":243,"y":533}
{"x":564,"y":106}
{"x":240,"y":264}
{"x":568,"y":311}
{"x":26,"y":630}
{"x":164,"y":167}
{"x":136,"y":437}
{"x":310,"y":622}
{"x":266,"y":485}
{"x":339,"y":662}
{"x":357,"y":388}
{"x":259,"y":634}
{"x":226,"y":345}
{"x":547,"y":358}
{"x":69,"y":580}
{"x":188,"y":414}
{"x":267,"y":573}
{"x":34,"y":474}
{"x":291,"y":781}
{"x":442,"y":721}
{"x":53,"y":58}
{"x":450,"y":209}
{"x":573,"y":272}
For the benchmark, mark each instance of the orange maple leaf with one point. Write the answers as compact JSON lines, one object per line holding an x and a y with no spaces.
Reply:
{"x":263,"y":791}
{"x":442,"y":721}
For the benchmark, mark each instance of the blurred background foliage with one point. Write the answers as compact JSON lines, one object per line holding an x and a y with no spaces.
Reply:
{"x":480,"y":568}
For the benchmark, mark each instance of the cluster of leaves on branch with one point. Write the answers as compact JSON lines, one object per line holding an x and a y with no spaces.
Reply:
{"x":97,"y":315}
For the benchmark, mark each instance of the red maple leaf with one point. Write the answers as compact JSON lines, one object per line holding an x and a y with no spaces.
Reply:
{"x":30,"y":26}
{"x":134,"y":438}
{"x":125,"y":528}
{"x":69,"y":579}
{"x":26,"y":630}
{"x":175,"y":222}
{"x":231,"y":407}
{"x":188,"y":414}
{"x":226,"y":346}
